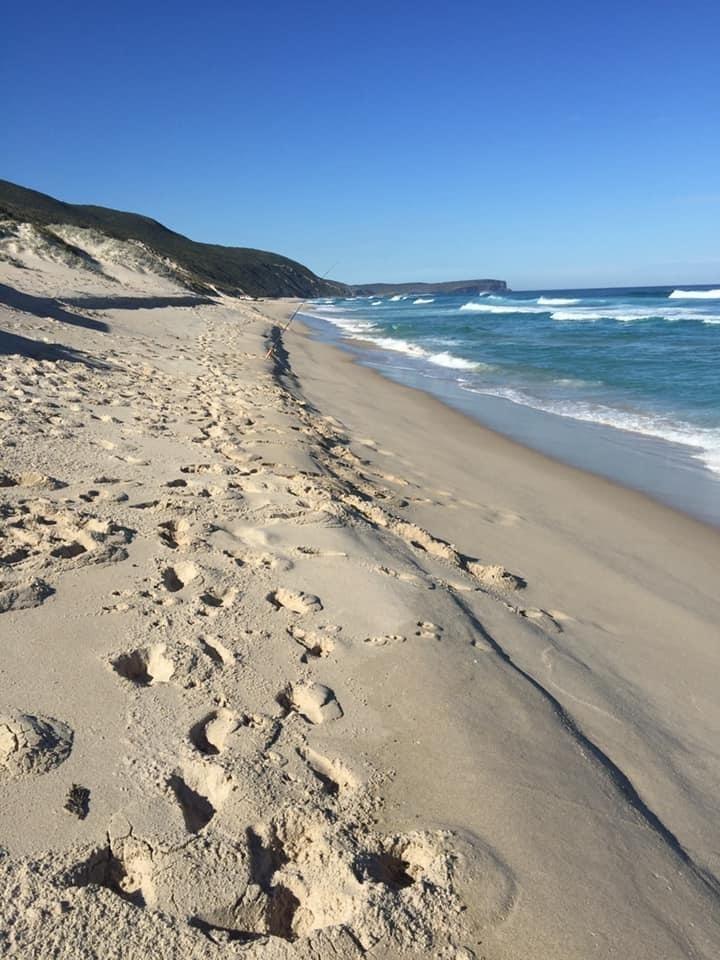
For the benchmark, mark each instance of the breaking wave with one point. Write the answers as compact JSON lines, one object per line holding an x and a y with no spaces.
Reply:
{"x":639,"y":361}
{"x":445,"y":359}
{"x":473,"y":307}
{"x":441,"y":359}
{"x":368,"y":331}
{"x":694,"y":295}
{"x":557,"y":301}
{"x":627,"y":315}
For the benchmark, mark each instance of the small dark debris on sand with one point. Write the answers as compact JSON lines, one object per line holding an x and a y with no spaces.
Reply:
{"x":78,"y":801}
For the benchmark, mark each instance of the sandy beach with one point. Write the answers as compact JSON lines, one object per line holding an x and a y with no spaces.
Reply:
{"x":300,"y":663}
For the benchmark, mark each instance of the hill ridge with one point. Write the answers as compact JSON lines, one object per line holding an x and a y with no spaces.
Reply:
{"x":205,"y":267}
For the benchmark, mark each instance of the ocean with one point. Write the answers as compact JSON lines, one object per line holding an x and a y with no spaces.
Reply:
{"x":637,"y":368}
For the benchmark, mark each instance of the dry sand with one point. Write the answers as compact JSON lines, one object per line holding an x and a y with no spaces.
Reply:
{"x":344,"y":673}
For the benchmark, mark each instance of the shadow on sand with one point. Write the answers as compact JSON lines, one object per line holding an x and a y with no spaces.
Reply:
{"x":136,"y":303}
{"x":47,"y":307}
{"x":13,"y":343}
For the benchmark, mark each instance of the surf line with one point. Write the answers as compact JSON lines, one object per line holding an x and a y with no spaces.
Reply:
{"x":296,"y":311}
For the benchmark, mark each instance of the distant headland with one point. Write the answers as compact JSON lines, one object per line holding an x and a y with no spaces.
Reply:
{"x":471,"y":288}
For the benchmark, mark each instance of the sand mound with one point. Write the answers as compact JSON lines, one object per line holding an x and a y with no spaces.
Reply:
{"x":31,"y":745}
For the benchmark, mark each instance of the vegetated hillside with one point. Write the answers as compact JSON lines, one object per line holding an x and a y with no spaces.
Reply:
{"x":465,"y":287}
{"x":232,"y":270}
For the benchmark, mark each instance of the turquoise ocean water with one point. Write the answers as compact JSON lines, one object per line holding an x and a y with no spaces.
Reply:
{"x":645,"y":361}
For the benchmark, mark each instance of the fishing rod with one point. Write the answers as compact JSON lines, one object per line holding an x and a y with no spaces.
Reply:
{"x":296,"y":311}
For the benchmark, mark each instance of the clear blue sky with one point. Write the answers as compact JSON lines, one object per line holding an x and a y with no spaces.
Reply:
{"x":547,"y":143}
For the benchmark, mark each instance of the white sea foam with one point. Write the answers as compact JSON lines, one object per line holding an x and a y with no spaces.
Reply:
{"x":367,"y":330}
{"x":424,"y":300}
{"x":356,"y":326}
{"x":376,"y":303}
{"x":575,"y":382}
{"x":445,"y":359}
{"x":329,"y":308}
{"x":557,"y":301}
{"x":704,"y":442}
{"x":350,"y":325}
{"x":396,"y":298}
{"x":694,"y":295}
{"x":628,"y":314}
{"x":587,"y":315}
{"x":496,"y":308}
{"x":398,"y":346}
{"x":441,"y":359}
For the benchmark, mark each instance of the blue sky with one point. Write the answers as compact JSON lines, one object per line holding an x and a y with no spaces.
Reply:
{"x":547,"y":144}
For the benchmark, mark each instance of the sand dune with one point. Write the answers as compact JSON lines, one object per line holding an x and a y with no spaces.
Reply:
{"x":286,"y":674}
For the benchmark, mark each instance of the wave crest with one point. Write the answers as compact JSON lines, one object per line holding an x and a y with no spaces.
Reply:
{"x":557,"y":301}
{"x":694,"y":295}
{"x":445,"y":359}
{"x":472,"y":307}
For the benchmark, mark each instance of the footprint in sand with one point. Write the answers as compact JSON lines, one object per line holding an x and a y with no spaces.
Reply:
{"x":546,"y":618}
{"x":200,"y":790}
{"x":332,"y":774}
{"x":313,"y":701}
{"x":383,"y":640}
{"x":214,"y":601}
{"x":210,"y":734}
{"x":31,"y":745}
{"x":494,"y":575}
{"x":398,"y":575}
{"x":178,"y":577}
{"x":217,"y":651}
{"x":37,"y":480}
{"x":317,"y":643}
{"x":35,"y":532}
{"x":175,"y":533}
{"x":145,"y":666}
{"x":297,"y":601}
{"x":428,"y":630}
{"x":307,"y":551}
{"x":24,"y":595}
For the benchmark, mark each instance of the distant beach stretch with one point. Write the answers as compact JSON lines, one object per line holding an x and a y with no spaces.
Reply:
{"x":637,"y":366}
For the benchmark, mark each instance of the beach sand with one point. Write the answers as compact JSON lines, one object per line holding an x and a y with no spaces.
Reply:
{"x":344,"y":673}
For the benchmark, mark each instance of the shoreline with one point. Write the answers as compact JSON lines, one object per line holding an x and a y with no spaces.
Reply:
{"x":663,"y":470}
{"x":514,"y":456}
{"x":620,"y":587}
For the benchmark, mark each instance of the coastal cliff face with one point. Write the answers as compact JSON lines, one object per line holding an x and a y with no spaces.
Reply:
{"x":471,"y":288}
{"x":66,"y":232}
